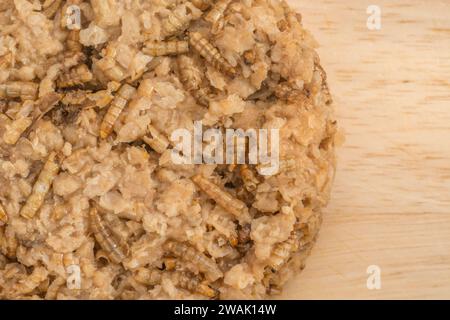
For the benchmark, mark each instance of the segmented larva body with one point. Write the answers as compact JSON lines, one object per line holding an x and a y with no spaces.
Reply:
{"x":75,"y":77}
{"x":175,"y":23}
{"x":156,"y":140}
{"x":191,"y":77}
{"x":192,"y":283}
{"x":231,"y":204}
{"x":166,"y":48}
{"x":249,"y":178}
{"x":119,"y":103}
{"x":286,"y":91}
{"x":190,"y":74}
{"x":150,"y":277}
{"x":16,"y":129}
{"x":16,"y":89}
{"x":116,"y":249}
{"x":216,"y":15}
{"x":188,"y":253}
{"x":41,"y":187}
{"x":283,"y":251}
{"x":210,"y":53}
{"x":3,"y":216}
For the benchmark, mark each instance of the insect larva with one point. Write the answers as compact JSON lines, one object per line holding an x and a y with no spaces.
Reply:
{"x":249,"y":178}
{"x":156,"y":140}
{"x":192,"y":78}
{"x":222,"y":198}
{"x":120,"y":101}
{"x":3,"y":216}
{"x":290,"y":93}
{"x":75,"y":77}
{"x":15,"y":130}
{"x":192,"y":283}
{"x":165,"y":48}
{"x":283,"y":250}
{"x":51,"y":7}
{"x":16,"y":89}
{"x":41,"y":187}
{"x":116,"y":249}
{"x":210,"y":53}
{"x":175,"y":22}
{"x":8,"y":242}
{"x":188,"y":253}
{"x":215,"y":15}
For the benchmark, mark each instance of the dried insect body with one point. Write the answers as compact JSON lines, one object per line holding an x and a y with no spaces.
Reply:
{"x":289,"y":92}
{"x":16,"y":89}
{"x":325,"y":89}
{"x":177,"y":21}
{"x":116,"y":248}
{"x":156,"y":140}
{"x":66,"y":114}
{"x":216,"y":15}
{"x":284,"y":250}
{"x":149,"y":277}
{"x":51,"y":7}
{"x":249,"y":178}
{"x":188,"y":253}
{"x":119,"y":103}
{"x":109,"y":66}
{"x":41,"y":187}
{"x":223,"y":198}
{"x":75,"y":77}
{"x":210,"y":53}
{"x":3,"y":216}
{"x":166,"y":48}
{"x":192,"y":77}
{"x":192,"y":283}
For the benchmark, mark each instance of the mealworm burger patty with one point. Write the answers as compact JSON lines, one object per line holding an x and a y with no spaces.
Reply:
{"x":96,"y":98}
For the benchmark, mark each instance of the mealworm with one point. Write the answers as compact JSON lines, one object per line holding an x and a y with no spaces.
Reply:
{"x":188,"y":253}
{"x":120,"y":101}
{"x":249,"y":178}
{"x":75,"y":77}
{"x":192,"y":283}
{"x":283,"y":251}
{"x":3,"y":216}
{"x":175,"y":23}
{"x":215,"y":15}
{"x":191,"y":77}
{"x":156,"y":140}
{"x":41,"y":187}
{"x":210,"y":53}
{"x":222,"y":198}
{"x":116,"y":248}
{"x":17,"y":89}
{"x":51,"y":8}
{"x":165,"y":48}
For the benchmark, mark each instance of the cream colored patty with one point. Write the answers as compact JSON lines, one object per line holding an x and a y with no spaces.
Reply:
{"x":87,"y":186}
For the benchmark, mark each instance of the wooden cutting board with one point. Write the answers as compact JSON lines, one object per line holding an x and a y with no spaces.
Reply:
{"x":390,"y":205}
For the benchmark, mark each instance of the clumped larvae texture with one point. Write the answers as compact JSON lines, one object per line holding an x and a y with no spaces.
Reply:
{"x":90,"y":117}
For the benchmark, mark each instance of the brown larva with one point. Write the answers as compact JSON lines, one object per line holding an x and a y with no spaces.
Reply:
{"x":191,"y":77}
{"x":51,"y":7}
{"x":189,"y":253}
{"x":192,"y":283}
{"x":75,"y":77}
{"x":116,"y":248}
{"x":284,"y":250}
{"x":119,"y":103}
{"x":175,"y":23}
{"x":41,"y":187}
{"x":249,"y":178}
{"x":165,"y":48}
{"x":216,"y":15}
{"x":17,"y":89}
{"x":210,"y":53}
{"x":156,"y":140}
{"x":3,"y":216}
{"x":223,"y":198}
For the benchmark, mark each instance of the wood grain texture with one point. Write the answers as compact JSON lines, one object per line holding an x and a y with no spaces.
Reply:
{"x":391,"y":199}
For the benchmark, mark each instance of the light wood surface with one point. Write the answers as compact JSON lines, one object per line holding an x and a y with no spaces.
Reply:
{"x":391,"y":199}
